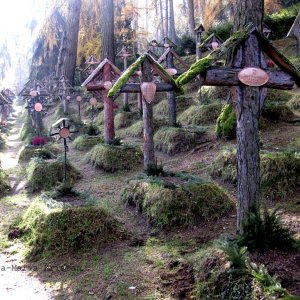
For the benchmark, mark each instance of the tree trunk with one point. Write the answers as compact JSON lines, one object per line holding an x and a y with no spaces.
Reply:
{"x":109,"y":125}
{"x":171,"y":95}
{"x":248,"y":102}
{"x":125,"y":96}
{"x":167,"y":18}
{"x":60,"y":59}
{"x":107,"y":30}
{"x":191,"y":18}
{"x":148,"y":120}
{"x":72,"y":39}
{"x":162,"y":26}
{"x":173,"y":35}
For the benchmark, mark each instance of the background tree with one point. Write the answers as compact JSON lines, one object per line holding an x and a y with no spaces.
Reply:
{"x":107,"y":48}
{"x":191,"y":17}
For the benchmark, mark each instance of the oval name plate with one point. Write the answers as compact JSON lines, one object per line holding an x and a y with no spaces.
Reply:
{"x":253,"y":77}
{"x":38,"y":107}
{"x":148,"y":91}
{"x":64,"y":132}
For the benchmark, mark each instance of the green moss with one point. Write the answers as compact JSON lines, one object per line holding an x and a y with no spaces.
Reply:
{"x":44,"y":175}
{"x":100,"y":118}
{"x":226,"y":122}
{"x":196,"y":69}
{"x":173,"y":140}
{"x":4,"y":183}
{"x":200,"y":114}
{"x":49,"y":151}
{"x":277,"y":111}
{"x":124,"y":119}
{"x":280,"y":172}
{"x":56,"y":230}
{"x":86,"y":142}
{"x":114,"y":158}
{"x":125,"y":76}
{"x":176,"y":200}
{"x":278,"y":96}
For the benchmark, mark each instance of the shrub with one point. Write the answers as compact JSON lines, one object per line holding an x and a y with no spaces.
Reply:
{"x":55,"y":229}
{"x":294,"y":103}
{"x":222,"y":30}
{"x":201,"y":114}
{"x":280,"y":172}
{"x":114,"y":158}
{"x":186,"y":44}
{"x":43,"y":175}
{"x":176,"y":199}
{"x":86,"y":142}
{"x":92,"y":130}
{"x":277,"y":112}
{"x":4,"y":182}
{"x":173,"y":140}
{"x":226,"y":122}
{"x":278,"y":96}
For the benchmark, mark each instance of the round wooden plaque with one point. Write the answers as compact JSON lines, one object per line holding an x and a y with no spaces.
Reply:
{"x":171,"y":71}
{"x":107,"y":85}
{"x":253,"y":77}
{"x":68,"y":97}
{"x":64,"y":132}
{"x":33,"y":93}
{"x":93,"y":101}
{"x":38,"y":107}
{"x":78,"y":98}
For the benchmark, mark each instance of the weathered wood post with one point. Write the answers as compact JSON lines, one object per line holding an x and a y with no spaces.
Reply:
{"x":149,"y":158}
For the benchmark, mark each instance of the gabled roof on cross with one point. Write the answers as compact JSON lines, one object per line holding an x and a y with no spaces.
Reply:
{"x":97,"y":73}
{"x":200,"y":28}
{"x":171,"y":50}
{"x":201,"y":66}
{"x":3,"y":99}
{"x":294,"y":31}
{"x":207,"y":42}
{"x":166,"y":41}
{"x":156,"y":68}
{"x":92,"y":60}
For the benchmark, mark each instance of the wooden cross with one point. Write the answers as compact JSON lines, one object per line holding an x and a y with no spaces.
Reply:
{"x":101,"y":80}
{"x":249,"y":79}
{"x":91,"y":63}
{"x":125,"y":55}
{"x":150,"y":68}
{"x":211,"y":43}
{"x":199,"y":30}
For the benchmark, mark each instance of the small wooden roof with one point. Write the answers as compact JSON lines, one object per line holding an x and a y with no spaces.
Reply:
{"x":156,"y":68}
{"x":200,"y":28}
{"x":207,"y":42}
{"x":98,"y":72}
{"x":166,"y":41}
{"x":235,"y":40}
{"x":92,"y":60}
{"x":171,"y":50}
{"x":295,"y":29}
{"x":124,"y":52}
{"x":153,"y":43}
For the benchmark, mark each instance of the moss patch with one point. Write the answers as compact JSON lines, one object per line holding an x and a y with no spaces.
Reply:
{"x":294,"y":103}
{"x":201,"y":114}
{"x":277,"y":111}
{"x":176,"y":199}
{"x":278,"y":96}
{"x":280,"y":172}
{"x":43,"y":175}
{"x":4,"y":183}
{"x":51,"y":228}
{"x":173,"y":140}
{"x":114,"y":158}
{"x":124,"y":119}
{"x":86,"y":142}
{"x":226,"y":122}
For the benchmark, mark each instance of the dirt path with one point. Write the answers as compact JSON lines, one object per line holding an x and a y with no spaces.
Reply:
{"x":15,"y":281}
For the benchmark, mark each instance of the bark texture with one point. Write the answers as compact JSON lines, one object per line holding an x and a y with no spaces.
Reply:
{"x":191,"y":18}
{"x":71,"y":41}
{"x":248,"y":111}
{"x":148,"y":119}
{"x":107,"y":30}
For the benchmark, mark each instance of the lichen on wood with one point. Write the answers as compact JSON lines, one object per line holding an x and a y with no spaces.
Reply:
{"x":125,"y":76}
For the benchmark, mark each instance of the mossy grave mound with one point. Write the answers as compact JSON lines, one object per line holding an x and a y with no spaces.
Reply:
{"x":182,"y":103}
{"x":173,"y":140}
{"x":176,"y":199}
{"x":112,"y":158}
{"x":4,"y":182}
{"x":136,"y":129}
{"x":201,"y":114}
{"x":44,"y":175}
{"x":49,"y":151}
{"x":50,"y":227}
{"x":280,"y":172}
{"x":124,"y":119}
{"x":86,"y":142}
{"x":294,"y":103}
